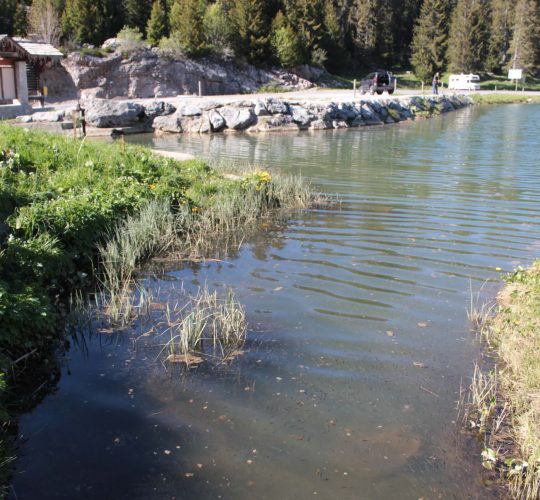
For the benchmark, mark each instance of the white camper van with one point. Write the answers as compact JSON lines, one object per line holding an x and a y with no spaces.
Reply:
{"x":464,"y":82}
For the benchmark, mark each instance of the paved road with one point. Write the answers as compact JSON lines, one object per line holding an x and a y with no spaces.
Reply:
{"x":314,"y":95}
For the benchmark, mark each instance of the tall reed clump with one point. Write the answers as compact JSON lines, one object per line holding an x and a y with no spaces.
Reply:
{"x":505,"y":401}
{"x":140,"y":236}
{"x":208,"y":325}
{"x":210,"y":209}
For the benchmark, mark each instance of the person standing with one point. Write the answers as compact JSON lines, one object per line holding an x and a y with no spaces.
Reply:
{"x":435,"y":83}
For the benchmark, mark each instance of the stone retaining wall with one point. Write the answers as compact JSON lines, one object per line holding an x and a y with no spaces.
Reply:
{"x":264,"y":115}
{"x":204,"y":116}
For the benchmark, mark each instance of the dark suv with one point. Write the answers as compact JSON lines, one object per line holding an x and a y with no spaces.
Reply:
{"x":378,"y":82}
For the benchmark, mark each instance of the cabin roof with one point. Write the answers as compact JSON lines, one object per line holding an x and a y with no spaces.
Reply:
{"x":20,"y":48}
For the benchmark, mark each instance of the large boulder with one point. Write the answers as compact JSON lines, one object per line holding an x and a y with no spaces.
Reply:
{"x":158,"y":108}
{"x":217,"y":122}
{"x":369,"y":116}
{"x":276,"y":106}
{"x":274,"y":123}
{"x":301,"y":115}
{"x":171,"y":124}
{"x":237,"y":118}
{"x":48,"y":116}
{"x":104,"y":113}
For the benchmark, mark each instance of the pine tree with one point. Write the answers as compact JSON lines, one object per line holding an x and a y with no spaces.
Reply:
{"x":157,"y":26}
{"x":286,"y":42}
{"x":364,"y":19}
{"x":468,"y":41}
{"x":334,"y":37}
{"x":13,"y":16}
{"x":137,"y":13}
{"x":525,"y":47}
{"x":430,"y":39}
{"x":187,"y":25}
{"x":217,"y":28}
{"x":502,"y":20}
{"x":81,"y":22}
{"x":307,"y":17}
{"x":404,"y":15}
{"x":251,"y":29}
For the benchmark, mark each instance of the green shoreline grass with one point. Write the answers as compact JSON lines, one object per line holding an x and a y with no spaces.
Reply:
{"x":64,"y":204}
{"x":505,"y":98}
{"x":505,"y":400}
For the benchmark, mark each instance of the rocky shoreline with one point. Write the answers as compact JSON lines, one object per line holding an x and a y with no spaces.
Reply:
{"x":249,"y":114}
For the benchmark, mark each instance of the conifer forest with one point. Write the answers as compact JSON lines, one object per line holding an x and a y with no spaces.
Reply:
{"x":339,"y":35}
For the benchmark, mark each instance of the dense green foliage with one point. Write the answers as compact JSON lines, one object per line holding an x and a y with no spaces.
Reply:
{"x":430,"y":39}
{"x":58,"y":198}
{"x":468,"y":41}
{"x":433,"y":35}
{"x":158,"y":24}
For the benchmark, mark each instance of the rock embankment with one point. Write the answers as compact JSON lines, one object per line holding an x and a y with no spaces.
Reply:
{"x":205,"y":116}
{"x":266,"y":114}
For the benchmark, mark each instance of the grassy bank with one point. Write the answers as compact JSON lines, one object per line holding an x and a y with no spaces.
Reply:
{"x":73,"y":213}
{"x":506,"y":398}
{"x":504,"y":98}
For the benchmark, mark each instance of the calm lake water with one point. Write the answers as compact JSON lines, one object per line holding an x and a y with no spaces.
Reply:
{"x":358,"y":343}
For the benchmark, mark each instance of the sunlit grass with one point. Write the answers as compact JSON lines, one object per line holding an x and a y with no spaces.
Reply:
{"x":505,"y":400}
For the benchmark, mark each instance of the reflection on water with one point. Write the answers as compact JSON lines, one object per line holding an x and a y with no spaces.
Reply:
{"x":359,"y":339}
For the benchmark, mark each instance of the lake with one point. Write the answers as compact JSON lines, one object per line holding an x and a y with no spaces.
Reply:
{"x":358,"y":341}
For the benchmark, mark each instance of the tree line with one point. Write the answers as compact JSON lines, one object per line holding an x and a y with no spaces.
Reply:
{"x":339,"y":35}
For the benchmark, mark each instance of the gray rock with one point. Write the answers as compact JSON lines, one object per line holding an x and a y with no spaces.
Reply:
{"x":168,"y":124}
{"x":260,"y":108}
{"x":217,"y":122}
{"x":25,"y":118}
{"x":340,"y":124}
{"x":237,"y":118}
{"x":358,"y":121}
{"x":320,"y":124}
{"x":345,"y":112}
{"x":301,"y":115}
{"x":190,"y":109}
{"x":273,"y":122}
{"x":48,"y":116}
{"x":103,"y":113}
{"x":275,"y":106}
{"x":369,"y":116}
{"x":158,"y":108}
{"x":196,"y":124}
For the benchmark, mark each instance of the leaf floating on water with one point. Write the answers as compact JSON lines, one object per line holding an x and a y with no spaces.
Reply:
{"x":422,"y":324}
{"x":418,"y":364}
{"x":278,"y":289}
{"x":390,"y":333}
{"x":187,"y":359}
{"x":105,"y":330}
{"x":189,"y":474}
{"x":167,"y":452}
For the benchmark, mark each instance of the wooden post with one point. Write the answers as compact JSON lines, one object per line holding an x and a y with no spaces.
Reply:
{"x":422,"y":87}
{"x":200,"y":89}
{"x":83,"y":123}
{"x":354,"y":88}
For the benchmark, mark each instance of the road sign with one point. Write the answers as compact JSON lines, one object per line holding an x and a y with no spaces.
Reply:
{"x":515,"y":74}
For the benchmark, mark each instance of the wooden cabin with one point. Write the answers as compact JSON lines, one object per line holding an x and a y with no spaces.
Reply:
{"x":21,"y":62}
